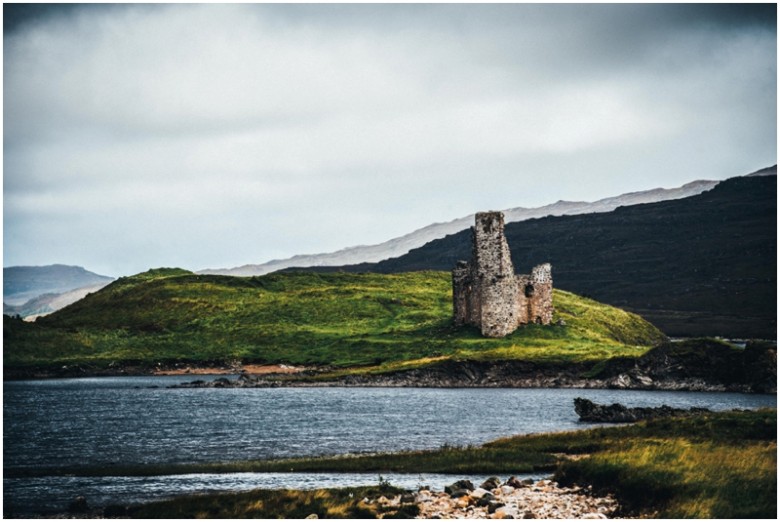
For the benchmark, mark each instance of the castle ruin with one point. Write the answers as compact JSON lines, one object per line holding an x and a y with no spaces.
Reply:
{"x":487,"y":293}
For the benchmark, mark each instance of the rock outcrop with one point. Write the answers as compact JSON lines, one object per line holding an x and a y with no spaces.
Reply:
{"x":697,"y":365}
{"x":589,"y":411}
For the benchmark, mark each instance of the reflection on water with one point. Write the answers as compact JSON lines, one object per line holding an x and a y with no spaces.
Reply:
{"x":137,"y":420}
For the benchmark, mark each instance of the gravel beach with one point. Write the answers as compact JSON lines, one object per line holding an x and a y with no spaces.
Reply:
{"x":544,"y":499}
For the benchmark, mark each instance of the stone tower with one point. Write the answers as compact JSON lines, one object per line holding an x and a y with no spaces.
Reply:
{"x":486,"y":292}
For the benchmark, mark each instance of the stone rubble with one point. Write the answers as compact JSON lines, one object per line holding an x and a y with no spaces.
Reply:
{"x":544,"y":499}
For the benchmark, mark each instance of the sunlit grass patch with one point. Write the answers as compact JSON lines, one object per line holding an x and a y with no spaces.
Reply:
{"x":553,"y":351}
{"x":269,"y":504}
{"x":712,"y":466}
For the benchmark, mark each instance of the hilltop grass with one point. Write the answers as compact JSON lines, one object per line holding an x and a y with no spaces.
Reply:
{"x":715,"y":465}
{"x":372,"y":321}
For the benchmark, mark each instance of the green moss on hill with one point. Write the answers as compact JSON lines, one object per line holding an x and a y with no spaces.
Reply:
{"x":337,"y":319}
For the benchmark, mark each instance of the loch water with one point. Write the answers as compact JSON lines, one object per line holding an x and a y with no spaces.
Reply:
{"x":139,"y":420}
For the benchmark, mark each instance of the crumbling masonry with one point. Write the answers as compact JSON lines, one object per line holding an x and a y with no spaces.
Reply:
{"x":486,"y":292}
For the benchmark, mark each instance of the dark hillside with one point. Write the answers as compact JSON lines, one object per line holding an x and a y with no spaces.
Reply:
{"x":702,"y":265}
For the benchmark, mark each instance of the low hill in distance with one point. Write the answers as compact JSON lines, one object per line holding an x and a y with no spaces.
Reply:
{"x":375,"y":321}
{"x":23,"y":285}
{"x":23,"y":282}
{"x":700,"y":266}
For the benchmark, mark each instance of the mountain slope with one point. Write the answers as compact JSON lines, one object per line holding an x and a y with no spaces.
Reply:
{"x":47,"y":303}
{"x":768,"y":171}
{"x":401,"y":245}
{"x":22,"y":283}
{"x":341,"y":320}
{"x":703,"y":265}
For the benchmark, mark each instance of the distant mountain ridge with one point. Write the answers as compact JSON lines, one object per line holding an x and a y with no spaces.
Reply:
{"x":768,"y":171}
{"x":401,"y":245}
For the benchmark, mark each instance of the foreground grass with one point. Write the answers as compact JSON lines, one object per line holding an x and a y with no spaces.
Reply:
{"x":714,"y":466}
{"x":325,"y":503}
{"x":373,"y":322}
{"x":680,"y":478}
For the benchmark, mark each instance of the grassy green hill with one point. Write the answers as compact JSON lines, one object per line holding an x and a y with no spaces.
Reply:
{"x":338,"y":319}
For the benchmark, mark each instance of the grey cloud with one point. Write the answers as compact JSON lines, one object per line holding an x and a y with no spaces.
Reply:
{"x":216,"y":135}
{"x":17,"y":16}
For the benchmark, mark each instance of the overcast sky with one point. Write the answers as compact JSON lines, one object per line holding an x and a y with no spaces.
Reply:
{"x":211,"y":136}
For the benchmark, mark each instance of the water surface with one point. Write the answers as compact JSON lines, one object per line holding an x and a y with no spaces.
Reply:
{"x":137,"y":420}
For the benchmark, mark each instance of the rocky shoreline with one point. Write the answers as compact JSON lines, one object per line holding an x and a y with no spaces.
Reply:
{"x":709,"y":366}
{"x":622,"y":382}
{"x":493,"y":499}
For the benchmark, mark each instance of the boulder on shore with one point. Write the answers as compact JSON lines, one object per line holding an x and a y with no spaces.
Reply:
{"x":460,"y":486}
{"x":491,"y":483}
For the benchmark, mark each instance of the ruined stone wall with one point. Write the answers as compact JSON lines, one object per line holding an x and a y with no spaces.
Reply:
{"x":540,"y":308}
{"x":461,"y":292}
{"x":494,"y":276}
{"x":486,"y":292}
{"x":525,"y":292}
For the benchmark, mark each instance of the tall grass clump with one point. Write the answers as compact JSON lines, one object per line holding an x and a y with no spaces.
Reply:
{"x":271,"y":504}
